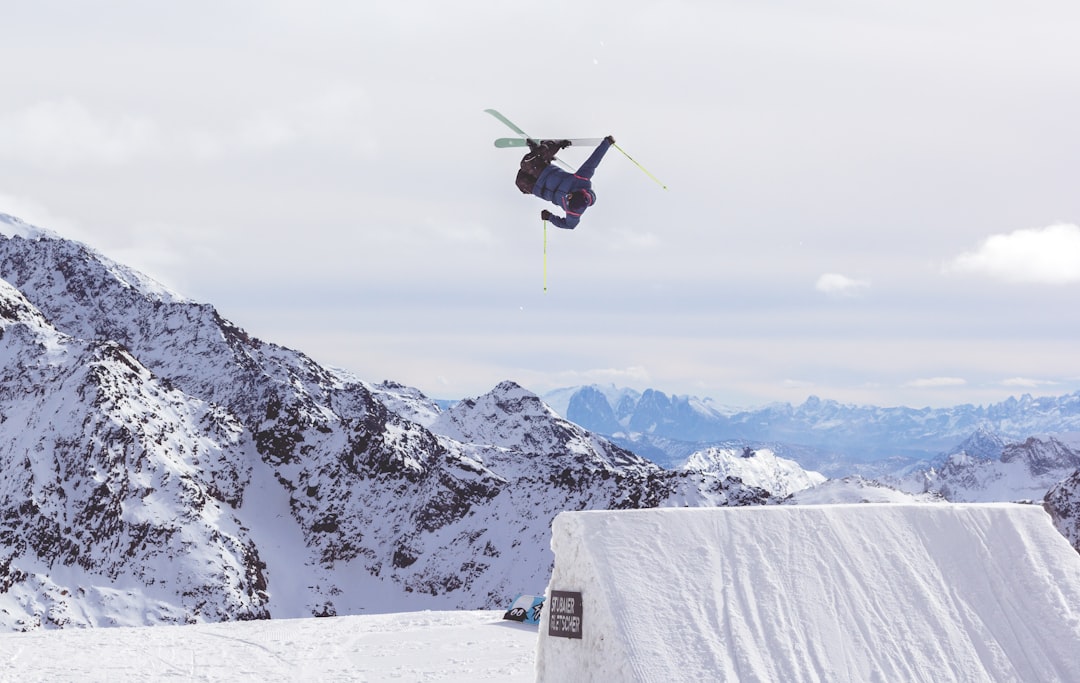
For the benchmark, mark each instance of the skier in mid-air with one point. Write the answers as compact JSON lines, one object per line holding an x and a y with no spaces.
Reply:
{"x":572,"y":192}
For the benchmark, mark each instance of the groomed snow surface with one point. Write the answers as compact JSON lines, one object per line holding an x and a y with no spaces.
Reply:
{"x":416,"y":646}
{"x":872,"y":592}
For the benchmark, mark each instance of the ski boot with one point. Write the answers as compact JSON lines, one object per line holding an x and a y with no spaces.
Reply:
{"x":547,"y":149}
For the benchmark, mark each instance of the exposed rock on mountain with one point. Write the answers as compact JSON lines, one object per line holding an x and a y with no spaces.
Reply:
{"x":1022,"y":471}
{"x":160,"y":464}
{"x":111,"y":479}
{"x":1040,"y":456}
{"x":1063,"y":503}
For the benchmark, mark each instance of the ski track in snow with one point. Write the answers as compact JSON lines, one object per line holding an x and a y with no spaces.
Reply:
{"x":415,"y":646}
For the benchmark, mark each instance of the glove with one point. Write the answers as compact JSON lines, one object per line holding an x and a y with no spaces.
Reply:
{"x":610,"y":139}
{"x":546,"y":215}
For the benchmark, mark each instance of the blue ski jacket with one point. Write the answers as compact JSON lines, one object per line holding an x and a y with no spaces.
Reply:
{"x":556,"y":185}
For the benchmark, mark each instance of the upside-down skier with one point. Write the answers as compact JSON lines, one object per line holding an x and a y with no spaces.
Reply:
{"x":572,"y":192}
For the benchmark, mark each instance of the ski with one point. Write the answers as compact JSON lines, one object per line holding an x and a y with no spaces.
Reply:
{"x":523,"y":134}
{"x":509,"y":124}
{"x":521,"y":142}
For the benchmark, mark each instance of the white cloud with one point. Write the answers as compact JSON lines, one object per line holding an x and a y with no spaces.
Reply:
{"x":936,"y":382}
{"x":66,"y":133}
{"x":840,"y":285}
{"x":619,"y":376}
{"x":1048,"y":255}
{"x":1027,"y":383}
{"x":335,"y":116}
{"x":460,"y":231}
{"x":41,"y":217}
{"x":641,"y":241}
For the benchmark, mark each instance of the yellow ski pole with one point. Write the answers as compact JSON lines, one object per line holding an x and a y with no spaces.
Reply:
{"x":639,"y":166}
{"x":545,"y":255}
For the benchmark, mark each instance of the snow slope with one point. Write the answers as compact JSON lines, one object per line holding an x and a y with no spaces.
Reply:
{"x":819,"y":593}
{"x":417,"y":646}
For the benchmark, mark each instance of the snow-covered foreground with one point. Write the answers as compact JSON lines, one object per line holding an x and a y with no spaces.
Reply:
{"x":883,"y":591}
{"x":416,"y":646}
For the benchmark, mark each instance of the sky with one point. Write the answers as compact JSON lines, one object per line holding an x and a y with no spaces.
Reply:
{"x":871,"y":202}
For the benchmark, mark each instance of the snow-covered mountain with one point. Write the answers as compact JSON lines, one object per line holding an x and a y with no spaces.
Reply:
{"x":1023,"y":470}
{"x":113,"y":477}
{"x":1062,"y":501}
{"x":761,"y":468}
{"x":159,"y":464}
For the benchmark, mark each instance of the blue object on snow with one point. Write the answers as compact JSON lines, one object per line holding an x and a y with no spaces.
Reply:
{"x":526,"y":609}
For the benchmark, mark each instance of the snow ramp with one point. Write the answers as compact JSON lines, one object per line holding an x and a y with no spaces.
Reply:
{"x":873,"y":592}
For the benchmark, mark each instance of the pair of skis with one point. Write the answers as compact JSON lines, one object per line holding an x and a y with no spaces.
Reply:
{"x":525,"y":137}
{"x":522,"y":142}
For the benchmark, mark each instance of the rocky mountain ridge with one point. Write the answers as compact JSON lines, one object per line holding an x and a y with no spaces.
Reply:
{"x":1023,"y":470}
{"x":162,"y":465}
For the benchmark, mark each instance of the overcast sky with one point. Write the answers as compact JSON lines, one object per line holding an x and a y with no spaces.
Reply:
{"x":873,"y":202}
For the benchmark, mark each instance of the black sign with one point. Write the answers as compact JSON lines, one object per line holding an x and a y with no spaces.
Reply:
{"x":564,"y":614}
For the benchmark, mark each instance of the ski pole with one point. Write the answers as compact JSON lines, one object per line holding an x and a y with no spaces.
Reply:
{"x":544,"y":255}
{"x":639,"y":166}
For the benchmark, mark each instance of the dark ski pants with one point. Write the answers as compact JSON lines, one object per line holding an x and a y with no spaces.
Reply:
{"x":533,"y":164}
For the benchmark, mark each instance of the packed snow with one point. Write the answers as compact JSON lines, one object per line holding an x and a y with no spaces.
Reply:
{"x":823,"y":593}
{"x":417,"y":646}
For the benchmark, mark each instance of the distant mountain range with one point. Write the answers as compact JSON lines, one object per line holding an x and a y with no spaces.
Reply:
{"x":823,"y":435}
{"x":1022,"y":449}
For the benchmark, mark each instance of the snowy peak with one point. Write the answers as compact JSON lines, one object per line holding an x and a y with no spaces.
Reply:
{"x":1022,"y":471}
{"x":761,"y":468}
{"x":983,"y":444}
{"x":407,"y":402}
{"x":621,"y":400}
{"x":43,"y":262}
{"x":1062,"y":501}
{"x":591,"y":409}
{"x":12,"y":226}
{"x":1040,"y":456}
{"x":513,"y":418}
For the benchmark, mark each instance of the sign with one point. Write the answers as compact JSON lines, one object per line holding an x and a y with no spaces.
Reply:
{"x":526,"y":609}
{"x":564,"y":614}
